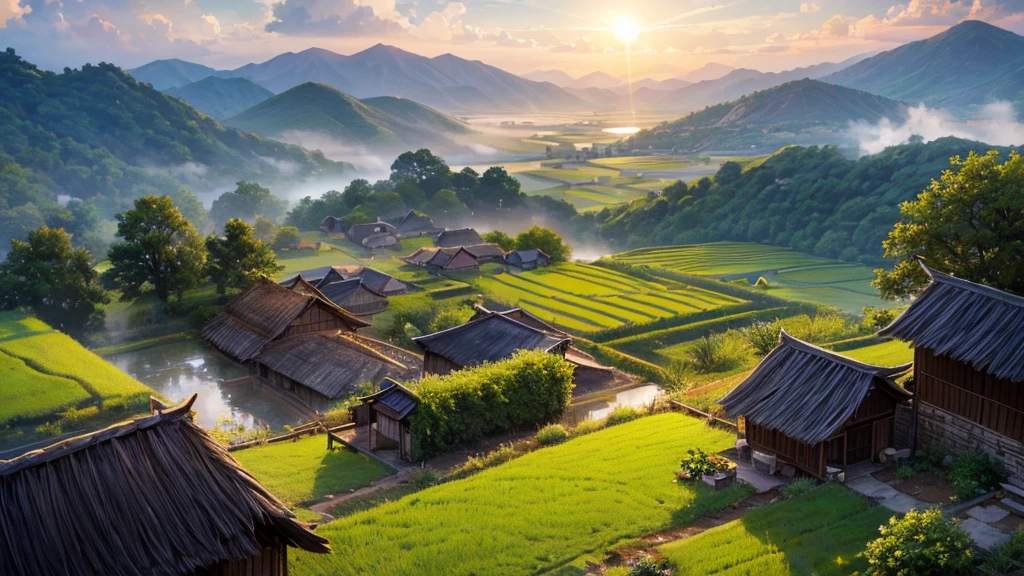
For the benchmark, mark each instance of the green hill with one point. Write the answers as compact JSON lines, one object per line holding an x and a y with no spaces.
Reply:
{"x":799,"y":112}
{"x":319,"y":108}
{"x":221,"y":97}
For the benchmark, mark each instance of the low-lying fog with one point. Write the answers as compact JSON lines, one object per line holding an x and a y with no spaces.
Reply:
{"x":994,"y":124}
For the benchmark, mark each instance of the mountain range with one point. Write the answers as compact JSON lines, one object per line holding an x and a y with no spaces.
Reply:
{"x":221,"y":97}
{"x":381,"y":123}
{"x":444,"y":82}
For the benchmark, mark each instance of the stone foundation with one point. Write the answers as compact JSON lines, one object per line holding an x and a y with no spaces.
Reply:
{"x":936,"y":426}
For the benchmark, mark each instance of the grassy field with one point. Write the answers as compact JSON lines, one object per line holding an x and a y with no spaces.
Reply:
{"x":540,"y":513}
{"x":891,"y":353}
{"x":820,"y":533}
{"x":790,"y":275}
{"x":302,"y":471}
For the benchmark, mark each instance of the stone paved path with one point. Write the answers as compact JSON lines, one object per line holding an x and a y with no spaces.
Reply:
{"x":884,"y":494}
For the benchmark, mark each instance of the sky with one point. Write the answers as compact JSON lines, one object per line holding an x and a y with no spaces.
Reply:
{"x":657,"y":38}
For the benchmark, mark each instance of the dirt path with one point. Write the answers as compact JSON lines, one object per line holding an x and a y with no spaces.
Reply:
{"x":324,"y":508}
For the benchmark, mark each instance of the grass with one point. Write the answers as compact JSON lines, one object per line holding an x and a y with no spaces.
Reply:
{"x":892,"y":353}
{"x":303,"y":470}
{"x":822,"y":532}
{"x":546,"y":511}
{"x":27,"y":394}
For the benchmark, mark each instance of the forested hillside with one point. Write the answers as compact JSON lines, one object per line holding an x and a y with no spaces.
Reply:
{"x":811,"y":199}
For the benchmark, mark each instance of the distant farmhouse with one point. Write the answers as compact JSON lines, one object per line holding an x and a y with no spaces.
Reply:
{"x":379,"y":282}
{"x":487,"y":253}
{"x":968,"y":367}
{"x":377,"y":234}
{"x":527,"y":259}
{"x":332,"y":226}
{"x":436,"y":259}
{"x":413,"y":224}
{"x":456,"y":238}
{"x":816,"y":410}
{"x":351,"y":295}
{"x":155,"y":495}
{"x":488,"y":338}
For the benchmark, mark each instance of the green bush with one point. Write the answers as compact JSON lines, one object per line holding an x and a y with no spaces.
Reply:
{"x":707,"y":352}
{"x":920,"y":543}
{"x":586,"y":427}
{"x":932,"y":459}
{"x":50,"y":429}
{"x":552,"y":434}
{"x":763,"y":336}
{"x":798,"y":488}
{"x":621,"y":415}
{"x":1008,"y":558}
{"x":698,"y":463}
{"x":647,"y":566}
{"x":904,"y":472}
{"x":974,"y":473}
{"x":528,"y":389}
{"x":201,"y":315}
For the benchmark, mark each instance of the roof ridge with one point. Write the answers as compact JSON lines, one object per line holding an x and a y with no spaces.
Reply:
{"x":978,"y":288}
{"x":883,"y":371}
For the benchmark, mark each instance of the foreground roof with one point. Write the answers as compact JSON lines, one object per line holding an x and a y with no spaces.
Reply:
{"x":520,"y":315}
{"x":488,"y":339}
{"x":151,"y":496}
{"x":806,"y":392}
{"x":968,"y":322}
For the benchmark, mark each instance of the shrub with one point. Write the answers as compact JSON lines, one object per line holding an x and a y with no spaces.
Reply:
{"x":697,"y":463}
{"x":449,"y":316}
{"x":763,"y":336}
{"x":586,"y":427}
{"x":932,"y":459}
{"x":552,"y":434}
{"x":201,"y":315}
{"x":76,"y":417}
{"x":798,"y":488}
{"x":50,"y":429}
{"x":707,"y":352}
{"x":425,"y":479}
{"x":1008,"y":558}
{"x":621,"y":415}
{"x":974,"y":473}
{"x":647,"y":566}
{"x":904,"y":472}
{"x":530,"y":388}
{"x":920,"y":543}
{"x":286,"y":238}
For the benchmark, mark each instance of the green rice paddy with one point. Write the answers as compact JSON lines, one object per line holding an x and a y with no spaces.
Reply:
{"x":547,"y":511}
{"x":822,"y":533}
{"x":891,"y":353}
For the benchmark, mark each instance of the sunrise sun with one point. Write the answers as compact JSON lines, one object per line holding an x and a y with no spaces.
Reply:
{"x":626,"y":29}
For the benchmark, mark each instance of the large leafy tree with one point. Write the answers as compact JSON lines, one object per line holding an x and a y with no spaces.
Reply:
{"x":247,"y":201}
{"x":53,"y":280}
{"x":157,"y":247}
{"x":547,"y":241}
{"x":969,"y":222}
{"x":422,"y":166}
{"x":238,"y":259}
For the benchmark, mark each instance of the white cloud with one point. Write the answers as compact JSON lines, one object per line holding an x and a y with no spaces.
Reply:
{"x":336,"y":18}
{"x":212,"y":23}
{"x":809,"y":7}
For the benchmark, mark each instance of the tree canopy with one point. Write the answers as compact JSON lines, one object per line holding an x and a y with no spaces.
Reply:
{"x":969,"y":223}
{"x":53,"y":280}
{"x":247,"y":201}
{"x":545,"y":240}
{"x":238,"y":259}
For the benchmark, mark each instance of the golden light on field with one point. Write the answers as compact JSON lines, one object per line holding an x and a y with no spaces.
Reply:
{"x":626,"y":29}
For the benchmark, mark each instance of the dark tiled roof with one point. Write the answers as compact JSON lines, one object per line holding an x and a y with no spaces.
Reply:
{"x":486,"y":251}
{"x":487,"y":339}
{"x":460,"y":237}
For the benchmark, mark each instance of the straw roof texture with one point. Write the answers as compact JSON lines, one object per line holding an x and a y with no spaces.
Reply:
{"x":488,"y":339}
{"x":459,"y":237}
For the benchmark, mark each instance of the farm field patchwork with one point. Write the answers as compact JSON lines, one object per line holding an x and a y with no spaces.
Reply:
{"x":822,"y":532}
{"x":304,"y":470}
{"x":545,"y":511}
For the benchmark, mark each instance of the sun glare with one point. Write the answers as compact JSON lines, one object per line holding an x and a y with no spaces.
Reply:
{"x":626,"y":29}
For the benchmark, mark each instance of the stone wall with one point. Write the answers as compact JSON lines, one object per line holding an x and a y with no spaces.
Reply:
{"x":936,"y":426}
{"x":904,"y":420}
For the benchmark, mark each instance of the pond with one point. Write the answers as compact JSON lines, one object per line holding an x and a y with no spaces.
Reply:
{"x":636,"y":397}
{"x":622,"y":130}
{"x":176,"y":370}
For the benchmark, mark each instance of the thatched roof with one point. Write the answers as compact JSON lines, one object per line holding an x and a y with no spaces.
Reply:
{"x":397,"y":400}
{"x":262,"y":313}
{"x":460,"y":237}
{"x":806,"y":392}
{"x":531,"y":255}
{"x":488,"y":339}
{"x":354,"y":296}
{"x":362,"y":233}
{"x":380,"y":282}
{"x":486,"y":251}
{"x":968,"y":322}
{"x":151,"y":496}
{"x":420,"y":256}
{"x":520,"y":315}
{"x":332,"y":364}
{"x":413,"y":223}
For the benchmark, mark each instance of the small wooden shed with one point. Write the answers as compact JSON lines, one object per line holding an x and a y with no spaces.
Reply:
{"x":387,"y":412}
{"x":414,"y":224}
{"x":452,"y":259}
{"x":527,"y":259}
{"x":154,"y":496}
{"x":814,"y":408}
{"x":373,"y":234}
{"x":332,"y":226}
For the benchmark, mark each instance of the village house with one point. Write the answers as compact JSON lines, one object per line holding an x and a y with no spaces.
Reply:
{"x":816,"y":410}
{"x":485,"y":253}
{"x":488,"y":338}
{"x":459,"y":237}
{"x":154,"y":496}
{"x":352,"y":295}
{"x":527,"y":259}
{"x":332,"y":226}
{"x":420,"y":257}
{"x":452,"y":259}
{"x":268,"y":312}
{"x":377,"y":281}
{"x":377,"y":234}
{"x":968,"y":368}
{"x":386,"y":413}
{"x":413,"y":224}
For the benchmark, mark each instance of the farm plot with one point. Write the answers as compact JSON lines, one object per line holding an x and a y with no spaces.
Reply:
{"x":891,"y":353}
{"x":821,"y":532}
{"x":27,"y":394}
{"x":548,"y":510}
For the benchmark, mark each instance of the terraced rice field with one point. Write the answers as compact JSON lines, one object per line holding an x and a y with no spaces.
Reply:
{"x":891,"y":353}
{"x":545,"y":512}
{"x":822,"y":532}
{"x":586,"y":298}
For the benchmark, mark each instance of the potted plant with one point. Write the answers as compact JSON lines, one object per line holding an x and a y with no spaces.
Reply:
{"x":713,"y":469}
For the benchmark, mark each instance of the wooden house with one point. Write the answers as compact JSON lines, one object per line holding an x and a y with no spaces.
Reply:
{"x":459,"y":237}
{"x":527,"y":259}
{"x":332,"y":226}
{"x":413,"y":224}
{"x":377,"y":234}
{"x":387,"y":412}
{"x":487,"y":253}
{"x":420,"y":257}
{"x":322,"y":368}
{"x":968,"y":367}
{"x":487,"y":338}
{"x":377,"y":281}
{"x":351,"y":295}
{"x":813,"y":408}
{"x":452,"y":259}
{"x":267,"y":312}
{"x":154,"y":496}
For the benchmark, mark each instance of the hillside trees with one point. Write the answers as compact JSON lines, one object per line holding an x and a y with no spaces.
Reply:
{"x":546,"y":241}
{"x":53,"y":280}
{"x":428,"y":171}
{"x":157,"y":247}
{"x":238,"y":259}
{"x":247,"y":201}
{"x":969,"y":223}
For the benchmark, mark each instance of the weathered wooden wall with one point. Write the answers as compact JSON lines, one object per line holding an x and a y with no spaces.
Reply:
{"x":437,"y":365}
{"x":800,"y":454}
{"x":316,"y":318}
{"x":272,"y":562}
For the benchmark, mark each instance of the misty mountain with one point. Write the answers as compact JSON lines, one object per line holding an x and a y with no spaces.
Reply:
{"x":971,"y":64}
{"x":379,"y":123}
{"x":445,"y":82}
{"x":221,"y":97}
{"x":174,"y":73}
{"x":652,"y":84}
{"x":800,"y":112}
{"x":709,"y":71}
{"x":563,"y":80}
